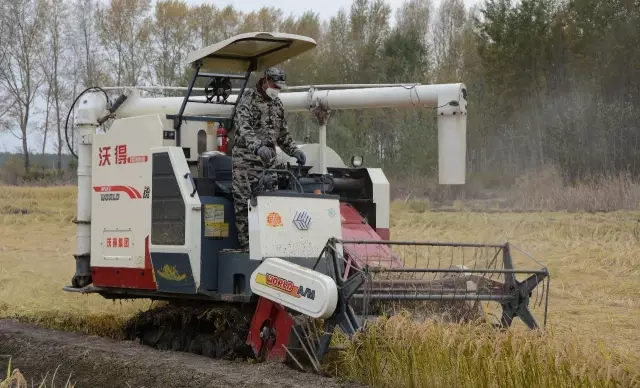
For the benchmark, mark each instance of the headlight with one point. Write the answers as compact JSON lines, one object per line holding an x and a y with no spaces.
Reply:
{"x":356,"y":161}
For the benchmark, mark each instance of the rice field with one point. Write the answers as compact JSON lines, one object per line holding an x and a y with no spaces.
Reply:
{"x":592,"y":336}
{"x":15,"y":379}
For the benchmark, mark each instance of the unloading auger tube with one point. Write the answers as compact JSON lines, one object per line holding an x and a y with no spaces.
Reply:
{"x":155,"y":220}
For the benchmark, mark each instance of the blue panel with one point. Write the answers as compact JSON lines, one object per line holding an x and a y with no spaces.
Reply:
{"x":211,"y":246}
{"x":235,"y":271}
{"x":173,"y":272}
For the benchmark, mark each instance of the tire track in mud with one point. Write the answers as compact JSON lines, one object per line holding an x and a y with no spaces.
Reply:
{"x":100,"y":362}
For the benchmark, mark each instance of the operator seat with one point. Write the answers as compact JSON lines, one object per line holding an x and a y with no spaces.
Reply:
{"x":219,"y":169}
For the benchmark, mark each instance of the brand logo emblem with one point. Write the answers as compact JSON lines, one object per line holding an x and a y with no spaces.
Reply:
{"x":170,"y":272}
{"x":302,"y":220}
{"x":274,"y":219}
{"x":110,"y":197}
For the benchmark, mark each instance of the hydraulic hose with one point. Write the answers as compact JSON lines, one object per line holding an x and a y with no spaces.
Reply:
{"x":66,"y":123}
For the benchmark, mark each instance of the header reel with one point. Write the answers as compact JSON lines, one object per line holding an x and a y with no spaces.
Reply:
{"x":431,"y":280}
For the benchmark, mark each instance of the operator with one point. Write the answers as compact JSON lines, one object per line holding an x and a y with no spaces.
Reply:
{"x":260,"y":125}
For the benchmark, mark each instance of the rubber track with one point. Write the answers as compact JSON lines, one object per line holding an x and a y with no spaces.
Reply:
{"x":217,"y":332}
{"x":220,"y":331}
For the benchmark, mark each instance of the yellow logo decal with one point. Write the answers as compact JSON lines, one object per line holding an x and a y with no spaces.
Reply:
{"x":274,"y":219}
{"x":170,"y":272}
{"x":286,"y":286}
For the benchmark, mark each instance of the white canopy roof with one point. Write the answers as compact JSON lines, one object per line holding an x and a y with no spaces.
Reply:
{"x":236,"y":53}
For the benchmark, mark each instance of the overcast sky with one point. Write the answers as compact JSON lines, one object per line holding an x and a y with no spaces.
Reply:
{"x":325,"y":8}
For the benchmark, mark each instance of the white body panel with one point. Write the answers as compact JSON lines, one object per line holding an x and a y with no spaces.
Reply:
{"x":282,"y":226}
{"x":381,"y":196}
{"x":192,"y":208}
{"x":120,"y":202}
{"x":304,"y":290}
{"x":196,"y":136}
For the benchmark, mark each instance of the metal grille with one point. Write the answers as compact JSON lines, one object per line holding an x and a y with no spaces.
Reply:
{"x":448,"y":281}
{"x":167,"y":204}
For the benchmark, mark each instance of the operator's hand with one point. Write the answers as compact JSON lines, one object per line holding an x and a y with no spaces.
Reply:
{"x":266,"y":153}
{"x":302,"y":159}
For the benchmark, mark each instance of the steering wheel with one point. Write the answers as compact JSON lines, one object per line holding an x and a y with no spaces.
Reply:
{"x":266,"y":183}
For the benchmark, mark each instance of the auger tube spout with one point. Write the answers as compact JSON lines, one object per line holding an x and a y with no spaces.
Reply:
{"x":439,"y":96}
{"x":449,"y":102}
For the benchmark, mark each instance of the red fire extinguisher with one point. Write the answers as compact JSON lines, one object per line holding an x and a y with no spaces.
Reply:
{"x":221,"y":134}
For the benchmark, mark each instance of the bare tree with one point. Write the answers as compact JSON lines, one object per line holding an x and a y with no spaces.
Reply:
{"x":19,"y":73}
{"x":414,"y":16}
{"x":5,"y":97}
{"x":84,"y":41}
{"x":171,"y":33}
{"x":55,"y":56}
{"x":448,"y":34}
{"x":124,"y":30}
{"x":264,"y":19}
{"x":210,"y":24}
{"x":45,"y":126}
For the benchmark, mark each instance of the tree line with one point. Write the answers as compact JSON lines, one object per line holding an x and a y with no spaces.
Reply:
{"x":550,"y":82}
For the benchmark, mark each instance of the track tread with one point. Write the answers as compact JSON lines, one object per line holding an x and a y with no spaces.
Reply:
{"x":217,"y":332}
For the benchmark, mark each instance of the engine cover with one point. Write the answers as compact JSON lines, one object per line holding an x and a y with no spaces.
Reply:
{"x":292,"y":225}
{"x":302,"y":289}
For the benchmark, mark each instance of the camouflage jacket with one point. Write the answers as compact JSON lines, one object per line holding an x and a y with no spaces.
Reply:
{"x":260,"y":121}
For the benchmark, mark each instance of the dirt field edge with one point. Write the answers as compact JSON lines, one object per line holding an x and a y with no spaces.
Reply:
{"x":99,"y":362}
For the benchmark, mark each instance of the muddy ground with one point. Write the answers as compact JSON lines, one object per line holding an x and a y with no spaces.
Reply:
{"x":99,"y":362}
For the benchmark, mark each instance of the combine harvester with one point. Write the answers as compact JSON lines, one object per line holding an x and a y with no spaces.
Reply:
{"x":155,"y":219}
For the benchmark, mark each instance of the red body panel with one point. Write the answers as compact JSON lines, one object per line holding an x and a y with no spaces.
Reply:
{"x":277,"y":319}
{"x":384,"y":233}
{"x":137,"y":278}
{"x":354,"y":228}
